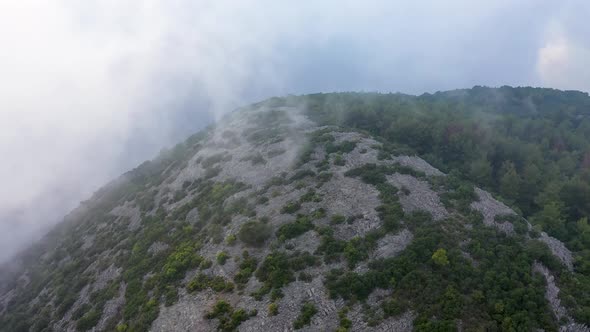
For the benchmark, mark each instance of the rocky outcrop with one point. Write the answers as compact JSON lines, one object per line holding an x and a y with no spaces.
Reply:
{"x":559,"y":250}
{"x":350,"y":197}
{"x":392,"y":244}
{"x":157,"y":247}
{"x":111,"y":308}
{"x":128,"y":211}
{"x":552,"y":296}
{"x":418,"y":164}
{"x":416,"y":195}
{"x":490,"y":208}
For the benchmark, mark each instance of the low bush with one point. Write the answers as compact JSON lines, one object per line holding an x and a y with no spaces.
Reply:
{"x":254,"y":233}
{"x":291,"y":207}
{"x":273,"y":309}
{"x":291,"y":230}
{"x":203,"y":281}
{"x":222,"y":257}
{"x":308,"y":310}
{"x":228,"y":317}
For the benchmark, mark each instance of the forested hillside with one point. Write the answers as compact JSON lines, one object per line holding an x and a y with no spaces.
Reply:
{"x":456,"y":211}
{"x":530,"y":146}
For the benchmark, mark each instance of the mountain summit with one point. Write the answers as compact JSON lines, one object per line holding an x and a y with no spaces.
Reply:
{"x":319,"y":213}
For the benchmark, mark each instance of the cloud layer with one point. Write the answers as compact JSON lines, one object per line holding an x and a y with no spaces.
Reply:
{"x":90,"y":89}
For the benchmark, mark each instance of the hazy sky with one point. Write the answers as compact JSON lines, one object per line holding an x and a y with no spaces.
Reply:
{"x":89,"y":89}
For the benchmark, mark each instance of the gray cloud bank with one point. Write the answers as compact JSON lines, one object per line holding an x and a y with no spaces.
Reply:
{"x":89,"y":89}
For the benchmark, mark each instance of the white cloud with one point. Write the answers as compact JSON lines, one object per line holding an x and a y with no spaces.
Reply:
{"x":563,"y":60}
{"x":79,"y":80}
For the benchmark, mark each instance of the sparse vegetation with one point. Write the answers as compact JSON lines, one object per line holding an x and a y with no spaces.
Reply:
{"x":214,"y":159}
{"x":255,"y":159}
{"x":454,"y":269}
{"x":247,"y":268}
{"x":308,"y":310}
{"x":337,"y":219}
{"x":202,"y":281}
{"x":228,"y":317}
{"x":345,"y":323}
{"x":291,"y":207}
{"x":344,"y":147}
{"x":278,"y":269}
{"x":302,"y":174}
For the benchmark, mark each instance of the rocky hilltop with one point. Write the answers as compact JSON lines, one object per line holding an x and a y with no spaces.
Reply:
{"x":275,"y":220}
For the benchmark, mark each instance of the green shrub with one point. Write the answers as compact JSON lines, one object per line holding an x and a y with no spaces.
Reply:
{"x":291,"y":230}
{"x":89,"y":320}
{"x":319,"y":213}
{"x":291,"y":207}
{"x":228,"y":317}
{"x":370,"y":173}
{"x":324,"y":177}
{"x":345,"y":323}
{"x":339,"y":161}
{"x":330,"y":247}
{"x":392,"y":308}
{"x":278,"y":268}
{"x":205,"y":264}
{"x":308,"y":310}
{"x":302,"y":174}
{"x":276,"y":294}
{"x":203,"y":281}
{"x":305,"y":277}
{"x":230,"y":240}
{"x":254,"y":233}
{"x":171,"y":295}
{"x":275,"y":270}
{"x":344,"y":147}
{"x":273,"y":309}
{"x":310,"y":196}
{"x":247,"y":268}
{"x":337,"y":219}
{"x":222,"y":257}
{"x":357,"y":250}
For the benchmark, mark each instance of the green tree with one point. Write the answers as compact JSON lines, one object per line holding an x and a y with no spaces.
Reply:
{"x":530,"y":186}
{"x":440,"y":257}
{"x":481,"y":171}
{"x":551,"y":219}
{"x":509,"y":181}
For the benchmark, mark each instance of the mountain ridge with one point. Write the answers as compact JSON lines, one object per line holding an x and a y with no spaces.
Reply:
{"x":198,"y":239}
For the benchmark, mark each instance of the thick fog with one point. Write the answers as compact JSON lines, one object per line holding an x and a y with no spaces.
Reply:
{"x":90,"y":89}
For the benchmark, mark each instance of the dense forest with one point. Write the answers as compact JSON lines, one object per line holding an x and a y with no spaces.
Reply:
{"x":531,"y":146}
